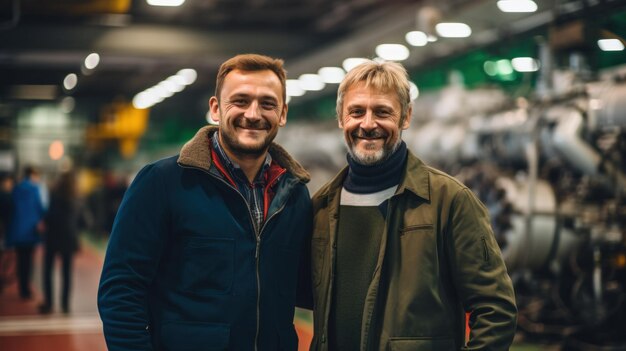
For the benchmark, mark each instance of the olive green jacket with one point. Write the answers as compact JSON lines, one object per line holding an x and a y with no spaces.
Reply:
{"x":438,"y":260}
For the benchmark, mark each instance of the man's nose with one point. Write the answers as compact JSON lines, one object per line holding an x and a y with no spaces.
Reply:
{"x":253,"y":111}
{"x":369,"y":121}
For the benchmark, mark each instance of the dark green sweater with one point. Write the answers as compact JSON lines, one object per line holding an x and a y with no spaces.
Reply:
{"x":358,"y":244}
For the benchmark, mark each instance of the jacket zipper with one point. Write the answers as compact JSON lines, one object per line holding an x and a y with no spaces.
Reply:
{"x":257,"y":233}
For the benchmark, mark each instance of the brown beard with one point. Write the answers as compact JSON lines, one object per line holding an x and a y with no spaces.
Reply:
{"x":243,"y":150}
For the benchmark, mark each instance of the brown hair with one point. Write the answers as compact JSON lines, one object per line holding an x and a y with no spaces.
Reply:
{"x":65,"y":186}
{"x":383,"y":76}
{"x":251,"y":62}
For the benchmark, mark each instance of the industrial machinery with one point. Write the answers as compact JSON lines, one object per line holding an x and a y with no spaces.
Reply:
{"x":552,"y":172}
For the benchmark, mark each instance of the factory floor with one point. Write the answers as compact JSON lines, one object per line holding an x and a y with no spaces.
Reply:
{"x":22,"y":328}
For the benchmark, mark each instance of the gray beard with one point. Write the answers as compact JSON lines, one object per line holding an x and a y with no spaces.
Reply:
{"x":377,"y":158}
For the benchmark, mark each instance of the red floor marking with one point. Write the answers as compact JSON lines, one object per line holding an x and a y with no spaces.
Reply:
{"x":77,"y":342}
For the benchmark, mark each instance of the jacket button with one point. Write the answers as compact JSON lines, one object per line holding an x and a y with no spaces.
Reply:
{"x":323,"y":339}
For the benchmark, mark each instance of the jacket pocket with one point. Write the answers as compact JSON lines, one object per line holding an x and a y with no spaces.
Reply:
{"x":416,"y":229}
{"x":191,"y":336}
{"x":319,"y":246}
{"x":421,"y":344}
{"x":208,"y":265}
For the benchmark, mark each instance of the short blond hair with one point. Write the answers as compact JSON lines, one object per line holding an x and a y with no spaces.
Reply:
{"x":383,"y":76}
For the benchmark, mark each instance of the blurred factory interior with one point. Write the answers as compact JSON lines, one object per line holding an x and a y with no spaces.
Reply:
{"x":524,"y":101}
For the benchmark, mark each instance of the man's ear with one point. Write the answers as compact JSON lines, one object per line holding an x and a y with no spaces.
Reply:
{"x":214,"y":109}
{"x":407,"y":119}
{"x":283,"y":117}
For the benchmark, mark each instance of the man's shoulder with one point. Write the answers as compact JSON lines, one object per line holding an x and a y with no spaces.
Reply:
{"x":439,"y":177}
{"x":160,"y":168}
{"x":426,"y":180}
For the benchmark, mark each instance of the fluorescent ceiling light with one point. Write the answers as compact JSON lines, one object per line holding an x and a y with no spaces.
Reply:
{"x":453,"y":30}
{"x":525,"y":64}
{"x":349,"y":63}
{"x":170,"y":3}
{"x":416,"y":38}
{"x":517,"y":6}
{"x":392,"y":52}
{"x":490,"y":68}
{"x":161,"y":91}
{"x":70,"y":81}
{"x":92,"y":60}
{"x":173,"y":84}
{"x":311,"y":82}
{"x":331,"y":75}
{"x":610,"y":45}
{"x":143,"y":100}
{"x":188,"y":75}
{"x":293,"y":88}
{"x":504,"y":67}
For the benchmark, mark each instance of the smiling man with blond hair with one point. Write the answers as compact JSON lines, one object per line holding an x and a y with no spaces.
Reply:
{"x":401,"y":251}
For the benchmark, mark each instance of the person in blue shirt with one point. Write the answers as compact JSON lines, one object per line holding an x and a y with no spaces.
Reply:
{"x":25,"y":227}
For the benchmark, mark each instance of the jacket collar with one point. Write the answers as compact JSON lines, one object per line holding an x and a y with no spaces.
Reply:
{"x":197,"y":153}
{"x":416,"y":179}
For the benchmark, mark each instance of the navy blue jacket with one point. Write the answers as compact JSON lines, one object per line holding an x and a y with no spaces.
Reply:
{"x":183,"y":269}
{"x":28,"y":211}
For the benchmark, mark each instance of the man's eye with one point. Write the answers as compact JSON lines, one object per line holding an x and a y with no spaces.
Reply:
{"x":269,"y":105}
{"x":239,"y":102}
{"x":356,"y":112}
{"x":383,"y":113}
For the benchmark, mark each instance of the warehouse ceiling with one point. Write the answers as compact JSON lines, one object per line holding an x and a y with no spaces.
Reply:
{"x":41,"y":42}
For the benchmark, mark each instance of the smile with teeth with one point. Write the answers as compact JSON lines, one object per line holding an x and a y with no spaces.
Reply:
{"x":247,"y":125}
{"x":372,"y":135}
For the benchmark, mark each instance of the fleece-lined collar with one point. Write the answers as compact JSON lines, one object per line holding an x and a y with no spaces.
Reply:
{"x":197,"y":153}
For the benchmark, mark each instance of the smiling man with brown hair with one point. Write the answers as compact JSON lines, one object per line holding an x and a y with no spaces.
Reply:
{"x":205,"y":249}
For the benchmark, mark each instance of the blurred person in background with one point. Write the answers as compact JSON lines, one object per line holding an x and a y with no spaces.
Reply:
{"x":206,"y":245}
{"x":401,"y":251}
{"x":26,"y":226}
{"x":6,"y":209}
{"x":61,"y":238}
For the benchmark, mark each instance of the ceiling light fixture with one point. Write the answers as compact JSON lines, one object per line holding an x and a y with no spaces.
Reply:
{"x":416,"y":38}
{"x":453,"y":30}
{"x":92,"y":60}
{"x":293,"y":88}
{"x":169,"y":3}
{"x":392,"y":52}
{"x":70,"y":81}
{"x":525,"y":64}
{"x":311,"y":82}
{"x":331,"y":75}
{"x":610,"y":45}
{"x":351,"y":62}
{"x":517,"y":5}
{"x":188,"y":75}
